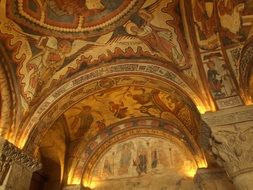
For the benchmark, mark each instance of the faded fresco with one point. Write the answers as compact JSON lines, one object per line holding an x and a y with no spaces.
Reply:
{"x":142,"y":163}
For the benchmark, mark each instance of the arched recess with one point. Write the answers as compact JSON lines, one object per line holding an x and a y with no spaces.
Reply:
{"x":51,"y":154}
{"x":85,"y":155}
{"x":246,"y":72}
{"x":103,"y":78}
{"x":159,"y":107}
{"x":9,"y":97}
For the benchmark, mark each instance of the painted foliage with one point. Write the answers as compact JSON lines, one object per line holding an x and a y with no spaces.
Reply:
{"x":142,"y":162}
{"x":100,"y":110}
{"x":55,"y":41}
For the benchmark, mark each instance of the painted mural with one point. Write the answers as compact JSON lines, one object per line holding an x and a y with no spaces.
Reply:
{"x":221,"y":28}
{"x":142,"y":163}
{"x":56,"y":39}
{"x":222,"y":22}
{"x":53,"y":40}
{"x":100,"y":110}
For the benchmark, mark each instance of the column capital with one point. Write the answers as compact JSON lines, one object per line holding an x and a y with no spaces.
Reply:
{"x":10,"y":154}
{"x":233,"y":145}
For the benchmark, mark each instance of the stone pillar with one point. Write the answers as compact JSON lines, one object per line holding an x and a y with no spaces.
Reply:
{"x":232,"y":143}
{"x":16,"y":167}
{"x":75,"y":187}
{"x":209,"y":179}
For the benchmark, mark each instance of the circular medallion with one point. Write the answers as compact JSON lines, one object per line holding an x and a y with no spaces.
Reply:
{"x":72,"y":18}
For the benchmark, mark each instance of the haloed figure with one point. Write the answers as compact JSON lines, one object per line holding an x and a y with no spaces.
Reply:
{"x":46,"y":63}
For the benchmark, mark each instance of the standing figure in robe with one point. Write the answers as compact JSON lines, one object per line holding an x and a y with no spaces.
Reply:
{"x":156,"y":38}
{"x":125,"y":159}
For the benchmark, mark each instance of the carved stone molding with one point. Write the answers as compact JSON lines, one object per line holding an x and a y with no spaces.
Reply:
{"x":233,"y":146}
{"x":229,"y":116}
{"x":9,"y":154}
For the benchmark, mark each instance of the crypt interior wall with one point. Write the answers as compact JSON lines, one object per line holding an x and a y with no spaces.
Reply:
{"x":126,"y":94}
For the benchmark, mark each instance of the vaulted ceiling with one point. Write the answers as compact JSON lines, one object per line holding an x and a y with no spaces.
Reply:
{"x":73,"y":71}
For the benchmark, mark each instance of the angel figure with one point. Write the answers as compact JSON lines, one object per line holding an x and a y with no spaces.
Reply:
{"x":40,"y":68}
{"x":46,"y":63}
{"x":86,"y":118}
{"x":157,"y":39}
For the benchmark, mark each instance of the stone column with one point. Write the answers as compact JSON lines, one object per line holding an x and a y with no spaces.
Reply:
{"x":16,"y":167}
{"x":209,"y":179}
{"x":232,"y":143}
{"x":75,"y":187}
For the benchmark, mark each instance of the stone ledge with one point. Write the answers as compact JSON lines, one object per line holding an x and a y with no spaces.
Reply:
{"x":229,"y":116}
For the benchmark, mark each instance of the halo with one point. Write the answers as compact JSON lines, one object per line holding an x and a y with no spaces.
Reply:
{"x":128,"y":27}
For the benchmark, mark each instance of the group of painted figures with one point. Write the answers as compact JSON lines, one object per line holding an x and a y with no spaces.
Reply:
{"x":51,"y":54}
{"x":135,"y":162}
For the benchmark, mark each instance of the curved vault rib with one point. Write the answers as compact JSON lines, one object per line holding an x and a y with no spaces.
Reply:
{"x":49,"y":105}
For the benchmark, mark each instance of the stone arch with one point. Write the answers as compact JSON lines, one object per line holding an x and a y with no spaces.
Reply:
{"x":49,"y":110}
{"x":9,"y":98}
{"x":91,"y":152}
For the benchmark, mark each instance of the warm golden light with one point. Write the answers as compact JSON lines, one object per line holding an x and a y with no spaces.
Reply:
{"x":75,"y":181}
{"x":86,"y":183}
{"x":189,"y":168}
{"x":21,"y":143}
{"x":248,"y":101}
{"x":201,"y":109}
{"x":93,"y":184}
{"x":202,"y":163}
{"x":191,"y":172}
{"x":90,"y":184}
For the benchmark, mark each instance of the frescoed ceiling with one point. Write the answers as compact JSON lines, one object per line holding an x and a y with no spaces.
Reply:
{"x":105,"y":108}
{"x":89,"y":65}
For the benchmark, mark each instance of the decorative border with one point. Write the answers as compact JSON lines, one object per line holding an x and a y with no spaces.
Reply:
{"x":17,"y":13}
{"x":121,"y":69}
